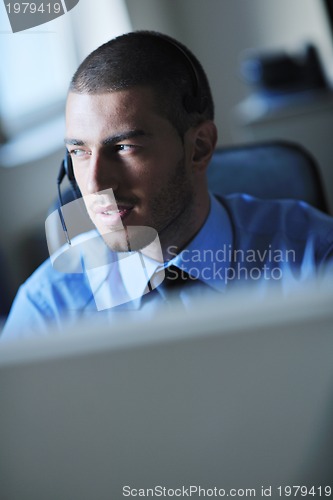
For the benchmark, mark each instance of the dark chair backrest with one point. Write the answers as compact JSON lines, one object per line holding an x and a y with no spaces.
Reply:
{"x":275,"y":169}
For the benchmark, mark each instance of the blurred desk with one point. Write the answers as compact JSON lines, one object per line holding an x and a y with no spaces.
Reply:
{"x":303,"y":117}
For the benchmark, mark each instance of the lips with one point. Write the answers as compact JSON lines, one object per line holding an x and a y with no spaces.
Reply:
{"x":111,"y":215}
{"x":121,"y":210}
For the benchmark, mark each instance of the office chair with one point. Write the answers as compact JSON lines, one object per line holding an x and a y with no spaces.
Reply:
{"x":274,"y":169}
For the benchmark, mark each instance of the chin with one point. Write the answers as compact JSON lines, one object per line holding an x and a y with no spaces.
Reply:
{"x":117,"y":240}
{"x":130,"y":238}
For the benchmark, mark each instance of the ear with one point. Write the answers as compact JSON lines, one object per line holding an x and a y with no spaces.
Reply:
{"x":204,"y":141}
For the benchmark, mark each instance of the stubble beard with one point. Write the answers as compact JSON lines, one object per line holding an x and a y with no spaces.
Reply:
{"x":172,"y":209}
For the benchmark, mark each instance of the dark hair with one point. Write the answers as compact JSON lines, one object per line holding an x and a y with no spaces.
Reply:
{"x":148,"y":58}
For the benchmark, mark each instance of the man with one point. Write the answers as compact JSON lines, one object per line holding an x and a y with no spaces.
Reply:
{"x":140,"y":135}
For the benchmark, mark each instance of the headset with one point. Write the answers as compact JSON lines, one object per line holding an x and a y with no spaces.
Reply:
{"x":193,"y":103}
{"x":66,"y":169}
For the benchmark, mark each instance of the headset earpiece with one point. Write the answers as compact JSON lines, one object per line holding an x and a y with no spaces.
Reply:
{"x":68,"y":166}
{"x":66,"y":169}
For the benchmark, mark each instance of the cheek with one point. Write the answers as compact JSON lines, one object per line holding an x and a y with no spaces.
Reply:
{"x":157,"y":170}
{"x":150,"y":183}
{"x":81,"y":179}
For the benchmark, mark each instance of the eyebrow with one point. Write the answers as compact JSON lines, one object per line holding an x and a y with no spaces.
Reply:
{"x":112,"y":140}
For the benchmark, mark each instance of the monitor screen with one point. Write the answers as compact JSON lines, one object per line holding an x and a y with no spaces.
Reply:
{"x":235,"y":399}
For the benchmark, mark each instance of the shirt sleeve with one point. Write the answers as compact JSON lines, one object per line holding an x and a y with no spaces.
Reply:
{"x":46,"y":303}
{"x":27,"y":317}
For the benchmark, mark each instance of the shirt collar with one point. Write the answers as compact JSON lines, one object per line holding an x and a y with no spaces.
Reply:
{"x":136,"y":271}
{"x":207,"y":256}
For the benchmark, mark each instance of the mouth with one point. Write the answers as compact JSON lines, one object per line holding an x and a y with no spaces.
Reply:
{"x":112,"y":215}
{"x":121,"y":211}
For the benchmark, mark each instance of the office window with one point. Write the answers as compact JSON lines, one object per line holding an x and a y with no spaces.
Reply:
{"x":36,"y":67}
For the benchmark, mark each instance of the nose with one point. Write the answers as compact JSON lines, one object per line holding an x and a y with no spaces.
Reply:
{"x":101,"y":175}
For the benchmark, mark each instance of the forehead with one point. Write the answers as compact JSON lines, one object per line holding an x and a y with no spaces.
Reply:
{"x":119,"y":104}
{"x":92,"y":116}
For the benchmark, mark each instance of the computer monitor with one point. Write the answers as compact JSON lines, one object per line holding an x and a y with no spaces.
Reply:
{"x":235,"y":399}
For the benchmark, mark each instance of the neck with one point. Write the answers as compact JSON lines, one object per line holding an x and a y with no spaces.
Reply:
{"x":173,"y":244}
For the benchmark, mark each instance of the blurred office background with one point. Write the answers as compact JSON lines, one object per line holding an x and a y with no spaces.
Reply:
{"x":226,"y":35}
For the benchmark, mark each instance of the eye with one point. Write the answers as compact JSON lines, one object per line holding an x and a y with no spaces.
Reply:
{"x":124,"y":148}
{"x":78,"y":152}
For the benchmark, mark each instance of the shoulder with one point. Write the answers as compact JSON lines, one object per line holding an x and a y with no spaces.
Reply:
{"x":285,"y":222}
{"x":50,"y":288}
{"x":246,"y":212}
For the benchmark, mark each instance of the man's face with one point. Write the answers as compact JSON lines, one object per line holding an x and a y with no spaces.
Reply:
{"x":131,"y":166}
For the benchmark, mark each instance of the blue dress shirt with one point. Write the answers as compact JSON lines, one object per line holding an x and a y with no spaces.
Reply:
{"x":244,"y":239}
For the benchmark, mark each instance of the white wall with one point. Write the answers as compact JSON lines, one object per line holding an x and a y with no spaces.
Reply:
{"x":218,"y":31}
